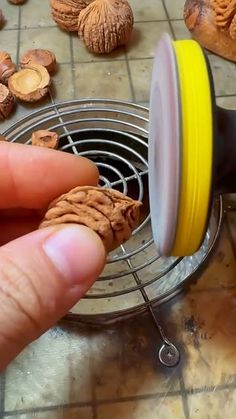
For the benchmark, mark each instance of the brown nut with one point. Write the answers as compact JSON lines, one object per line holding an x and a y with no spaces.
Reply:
{"x":39,"y":56}
{"x":2,"y":20}
{"x":7,"y":67}
{"x":112,"y":215}
{"x":7,"y":102}
{"x":105,"y":25}
{"x":30,"y":84}
{"x":2,"y":138}
{"x":66,"y":12}
{"x":17,"y":1}
{"x":44,"y":138}
{"x":213,"y":24}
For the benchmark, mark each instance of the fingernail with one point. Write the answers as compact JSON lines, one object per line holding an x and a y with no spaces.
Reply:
{"x":77,"y":253}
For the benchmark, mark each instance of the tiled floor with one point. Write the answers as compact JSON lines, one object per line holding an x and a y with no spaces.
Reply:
{"x":77,"y":372}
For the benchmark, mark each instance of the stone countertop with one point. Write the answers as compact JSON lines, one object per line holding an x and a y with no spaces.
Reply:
{"x":77,"y":372}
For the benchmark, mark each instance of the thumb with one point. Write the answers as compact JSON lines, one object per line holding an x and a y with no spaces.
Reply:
{"x":42,"y":275}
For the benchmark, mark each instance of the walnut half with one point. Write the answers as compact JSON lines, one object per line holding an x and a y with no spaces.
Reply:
{"x":112,"y":215}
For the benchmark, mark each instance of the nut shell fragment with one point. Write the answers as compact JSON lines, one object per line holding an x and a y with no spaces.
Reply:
{"x":39,"y":56}
{"x":112,"y":215}
{"x":105,"y":25}
{"x":213,"y":24}
{"x":7,"y":102}
{"x":66,"y":12}
{"x":7,"y":67}
{"x":30,"y":84}
{"x":44,"y":138}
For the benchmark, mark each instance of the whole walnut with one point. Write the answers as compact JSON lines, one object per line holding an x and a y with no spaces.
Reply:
{"x":213,"y":24}
{"x":65,"y":12}
{"x":7,"y":67}
{"x":105,"y":25}
{"x":112,"y":215}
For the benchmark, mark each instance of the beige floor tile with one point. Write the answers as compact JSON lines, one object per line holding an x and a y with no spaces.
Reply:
{"x":36,"y":14}
{"x":145,"y":38}
{"x":205,"y":324}
{"x":102,"y":80}
{"x":175,"y":8}
{"x":72,"y":413}
{"x":167,"y":408}
{"x":81,"y":54}
{"x":11,"y":13}
{"x":148,"y":10}
{"x":62,"y":84}
{"x":53,"y":370}
{"x":180,"y":30}
{"x":52,"y":38}
{"x":216,"y":405}
{"x":125,"y":362}
{"x":227,"y":102}
{"x":8,"y":42}
{"x":224,"y":74}
{"x":141,"y":71}
{"x":221,"y":270}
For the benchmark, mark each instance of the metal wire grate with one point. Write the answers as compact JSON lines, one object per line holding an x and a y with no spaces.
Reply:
{"x":114,"y":135}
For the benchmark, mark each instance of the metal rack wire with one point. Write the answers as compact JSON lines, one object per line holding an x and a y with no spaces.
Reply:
{"x":114,"y":135}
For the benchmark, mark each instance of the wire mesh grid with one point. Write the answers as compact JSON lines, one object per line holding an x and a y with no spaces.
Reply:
{"x":114,"y":135}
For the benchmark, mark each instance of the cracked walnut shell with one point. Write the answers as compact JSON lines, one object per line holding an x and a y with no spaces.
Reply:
{"x":112,"y":215}
{"x":44,"y":138}
{"x":30,"y":84}
{"x":7,"y":102}
{"x":66,"y":12}
{"x":105,"y":25}
{"x":7,"y":67}
{"x":39,"y":56}
{"x":213,"y":24}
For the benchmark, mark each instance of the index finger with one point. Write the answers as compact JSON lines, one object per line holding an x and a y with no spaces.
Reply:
{"x":31,"y":177}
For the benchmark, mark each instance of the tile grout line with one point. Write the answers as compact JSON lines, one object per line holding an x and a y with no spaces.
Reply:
{"x":174,"y":393}
{"x":93,"y":385}
{"x":72,"y":63}
{"x":2,"y":392}
{"x":168,"y":19}
{"x":18,"y":37}
{"x":184,"y":396}
{"x":130,"y":78}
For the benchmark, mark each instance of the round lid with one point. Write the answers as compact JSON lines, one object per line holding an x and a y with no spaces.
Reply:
{"x":164,"y":147}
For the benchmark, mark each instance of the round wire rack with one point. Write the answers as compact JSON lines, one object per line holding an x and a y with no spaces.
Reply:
{"x":114,"y":135}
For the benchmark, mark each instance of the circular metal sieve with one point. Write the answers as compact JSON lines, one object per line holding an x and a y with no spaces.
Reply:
{"x":115,"y":136}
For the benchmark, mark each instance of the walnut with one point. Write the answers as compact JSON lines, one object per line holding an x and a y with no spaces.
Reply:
{"x":112,"y":215}
{"x":7,"y":102}
{"x":39,"y":56}
{"x":2,"y":20}
{"x":66,"y":12}
{"x":7,"y":67}
{"x":17,"y":1}
{"x":44,"y":138}
{"x":213,"y":25}
{"x":30,"y":84}
{"x":105,"y":25}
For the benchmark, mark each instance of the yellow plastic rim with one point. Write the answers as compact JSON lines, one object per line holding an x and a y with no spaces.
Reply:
{"x":197,"y":147}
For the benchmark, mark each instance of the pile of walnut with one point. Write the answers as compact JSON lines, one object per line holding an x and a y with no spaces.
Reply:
{"x":112,"y":215}
{"x":103,"y":25}
{"x":30,"y":84}
{"x":213,"y":24}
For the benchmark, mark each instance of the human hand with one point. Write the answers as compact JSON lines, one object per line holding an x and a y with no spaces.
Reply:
{"x":43,"y":273}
